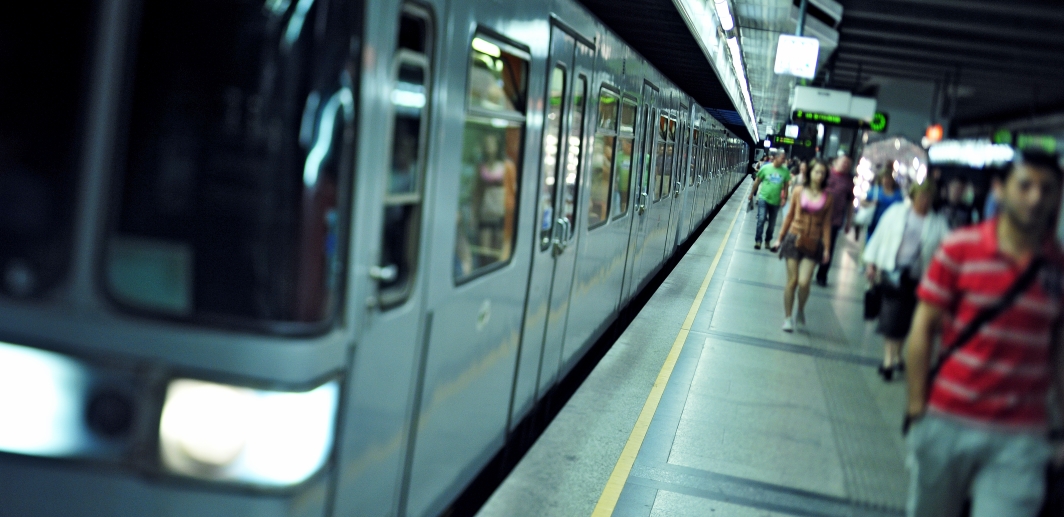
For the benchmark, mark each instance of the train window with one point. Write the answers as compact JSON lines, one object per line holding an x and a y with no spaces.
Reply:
{"x":491,"y":151}
{"x":602,"y":158}
{"x":551,"y":138}
{"x":403,"y":192}
{"x":43,"y":59}
{"x":624,"y":158}
{"x":236,"y":176}
{"x":670,"y":159}
{"x":696,"y":156}
{"x":574,"y":162}
{"x":607,"y":110}
{"x":659,"y":155}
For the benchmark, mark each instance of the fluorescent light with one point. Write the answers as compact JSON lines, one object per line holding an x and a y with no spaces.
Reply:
{"x":972,"y":153}
{"x":229,"y":433}
{"x":724,"y":15}
{"x":42,"y":402}
{"x":486,"y":47}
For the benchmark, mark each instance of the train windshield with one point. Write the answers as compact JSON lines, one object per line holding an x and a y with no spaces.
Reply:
{"x":231,"y":193}
{"x":43,"y":57}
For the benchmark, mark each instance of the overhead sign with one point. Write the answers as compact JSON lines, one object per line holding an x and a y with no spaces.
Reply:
{"x":879,"y":123}
{"x":782,"y":140}
{"x":797,"y":55}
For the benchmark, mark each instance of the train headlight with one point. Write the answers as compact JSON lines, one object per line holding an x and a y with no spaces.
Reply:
{"x":229,"y":433}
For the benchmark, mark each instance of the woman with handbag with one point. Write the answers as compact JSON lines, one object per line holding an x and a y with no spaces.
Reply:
{"x":899,"y":251}
{"x":804,"y":240}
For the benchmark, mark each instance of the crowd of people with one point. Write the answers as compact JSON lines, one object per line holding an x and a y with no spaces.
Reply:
{"x":969,"y":305}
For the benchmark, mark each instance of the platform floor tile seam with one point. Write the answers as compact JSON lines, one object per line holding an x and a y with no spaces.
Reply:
{"x":750,"y":493}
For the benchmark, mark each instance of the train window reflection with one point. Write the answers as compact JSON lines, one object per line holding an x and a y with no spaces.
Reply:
{"x":552,"y":129}
{"x":43,"y":61}
{"x":233,"y":188}
{"x":659,"y":156}
{"x":402,"y":202}
{"x":622,"y":177}
{"x":491,"y":150}
{"x":574,"y":159}
{"x":602,"y":158}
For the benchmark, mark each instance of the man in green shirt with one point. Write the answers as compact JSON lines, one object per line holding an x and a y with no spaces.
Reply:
{"x":771,"y":187}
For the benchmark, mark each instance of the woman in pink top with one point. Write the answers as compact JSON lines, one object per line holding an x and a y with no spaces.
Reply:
{"x":804,"y":240}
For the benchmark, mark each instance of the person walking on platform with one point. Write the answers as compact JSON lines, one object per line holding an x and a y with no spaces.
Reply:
{"x":804,"y":241}
{"x":770,"y":186}
{"x":884,"y":194}
{"x":897,"y":254}
{"x":978,"y":428}
{"x":840,"y":188}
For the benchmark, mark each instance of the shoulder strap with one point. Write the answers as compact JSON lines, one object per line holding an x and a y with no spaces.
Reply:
{"x":985,"y":316}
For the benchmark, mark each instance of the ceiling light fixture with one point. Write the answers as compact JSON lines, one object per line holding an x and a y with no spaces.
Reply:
{"x":724,"y":15}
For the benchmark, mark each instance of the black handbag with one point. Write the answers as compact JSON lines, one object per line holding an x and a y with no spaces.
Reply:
{"x":873,"y":302}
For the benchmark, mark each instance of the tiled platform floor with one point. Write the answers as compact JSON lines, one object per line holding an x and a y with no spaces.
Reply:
{"x":753,"y":421}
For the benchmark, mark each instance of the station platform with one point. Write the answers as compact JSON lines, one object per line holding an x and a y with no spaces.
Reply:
{"x":704,"y":406}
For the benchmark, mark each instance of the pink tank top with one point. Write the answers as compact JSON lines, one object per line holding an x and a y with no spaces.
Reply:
{"x":812,"y":205}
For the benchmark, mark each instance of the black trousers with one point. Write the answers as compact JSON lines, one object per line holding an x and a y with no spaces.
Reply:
{"x":822,"y":271}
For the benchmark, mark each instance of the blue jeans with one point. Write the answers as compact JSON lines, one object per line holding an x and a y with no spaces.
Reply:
{"x":765,"y":211}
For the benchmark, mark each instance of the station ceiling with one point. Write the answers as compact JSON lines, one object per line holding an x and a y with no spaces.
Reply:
{"x":657,"y":31}
{"x":991,"y":60}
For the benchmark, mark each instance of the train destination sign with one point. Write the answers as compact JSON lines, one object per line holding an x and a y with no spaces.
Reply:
{"x":880,"y":120}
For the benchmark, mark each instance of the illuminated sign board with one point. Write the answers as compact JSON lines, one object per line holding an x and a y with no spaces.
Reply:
{"x":796,"y":55}
{"x":879,"y":121}
{"x":782,"y":140}
{"x":817,"y":117}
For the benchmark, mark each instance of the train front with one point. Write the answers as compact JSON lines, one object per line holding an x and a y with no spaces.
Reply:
{"x":172,"y":241}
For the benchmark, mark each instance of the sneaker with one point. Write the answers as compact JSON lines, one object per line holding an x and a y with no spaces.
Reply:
{"x":757,"y":245}
{"x":788,"y":325}
{"x":799,"y":319}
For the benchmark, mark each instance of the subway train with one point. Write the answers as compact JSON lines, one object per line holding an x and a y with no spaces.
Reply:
{"x":316,"y":257}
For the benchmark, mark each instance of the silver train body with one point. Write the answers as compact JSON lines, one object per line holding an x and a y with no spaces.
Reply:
{"x":480,"y":188}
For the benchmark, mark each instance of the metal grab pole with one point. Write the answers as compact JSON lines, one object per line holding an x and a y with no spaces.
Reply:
{"x":801,"y":18}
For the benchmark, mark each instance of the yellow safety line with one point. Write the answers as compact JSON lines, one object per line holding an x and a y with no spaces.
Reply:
{"x":612,"y":492}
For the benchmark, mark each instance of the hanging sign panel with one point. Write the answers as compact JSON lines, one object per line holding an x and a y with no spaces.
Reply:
{"x":796,"y":55}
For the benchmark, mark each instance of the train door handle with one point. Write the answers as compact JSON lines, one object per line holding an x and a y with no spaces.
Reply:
{"x":384,"y":273}
{"x":642,"y":203}
{"x":560,"y":242}
{"x":676,"y":192}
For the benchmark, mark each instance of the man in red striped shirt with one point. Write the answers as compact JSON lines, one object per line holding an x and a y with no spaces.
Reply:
{"x":982,"y":431}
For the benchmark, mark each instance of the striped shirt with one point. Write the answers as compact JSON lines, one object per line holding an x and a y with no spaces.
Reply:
{"x":1002,"y":376}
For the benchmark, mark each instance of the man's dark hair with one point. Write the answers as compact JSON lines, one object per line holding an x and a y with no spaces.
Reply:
{"x":1037,"y":159}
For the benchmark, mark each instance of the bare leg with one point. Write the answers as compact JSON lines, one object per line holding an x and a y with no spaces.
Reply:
{"x":805,"y":278}
{"x":788,"y":290}
{"x":891,"y":351}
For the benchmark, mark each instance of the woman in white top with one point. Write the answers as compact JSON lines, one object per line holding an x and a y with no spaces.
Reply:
{"x":897,"y":254}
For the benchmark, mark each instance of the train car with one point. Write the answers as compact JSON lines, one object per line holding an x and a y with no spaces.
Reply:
{"x":316,"y":257}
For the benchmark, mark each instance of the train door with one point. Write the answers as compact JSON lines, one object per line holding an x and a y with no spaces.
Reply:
{"x":681,"y":202}
{"x":554,"y":251}
{"x":644,"y":164}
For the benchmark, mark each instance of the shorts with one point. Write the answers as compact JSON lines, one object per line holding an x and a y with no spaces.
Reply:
{"x":789,"y":249}
{"x":896,"y":313}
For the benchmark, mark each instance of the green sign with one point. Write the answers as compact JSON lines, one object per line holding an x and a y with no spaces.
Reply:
{"x":1003,"y":136}
{"x":817,"y":117}
{"x":782,"y":140}
{"x":879,"y":122}
{"x":1044,"y":143}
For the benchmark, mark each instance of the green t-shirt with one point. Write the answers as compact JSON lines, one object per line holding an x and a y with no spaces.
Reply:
{"x":772,"y":180}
